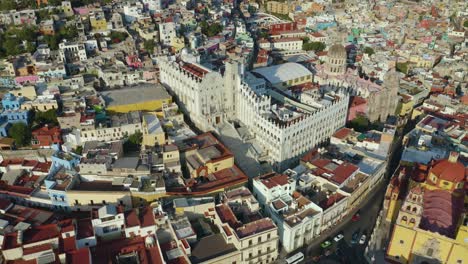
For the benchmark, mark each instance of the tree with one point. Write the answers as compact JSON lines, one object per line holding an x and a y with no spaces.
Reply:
{"x":68,"y":33}
{"x":21,"y":134}
{"x":78,"y":150}
{"x":149,"y":45}
{"x":118,"y":36}
{"x":369,"y":51}
{"x":6,"y":5}
{"x":402,"y":67}
{"x":52,"y":41}
{"x":133,"y":142}
{"x":11,"y":41}
{"x":315,"y":46}
{"x":11,"y":46}
{"x":47,"y":117}
{"x":212,"y":29}
{"x":465,"y":24}
{"x":360,"y":123}
{"x":458,"y":90}
{"x":136,"y":138}
{"x":264,"y":34}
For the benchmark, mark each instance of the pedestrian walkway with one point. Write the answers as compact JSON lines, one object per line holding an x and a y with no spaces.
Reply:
{"x":244,"y":159}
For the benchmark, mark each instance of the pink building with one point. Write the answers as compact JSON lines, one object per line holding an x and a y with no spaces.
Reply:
{"x":133,"y":61}
{"x":358,"y":106}
{"x":31,"y":79}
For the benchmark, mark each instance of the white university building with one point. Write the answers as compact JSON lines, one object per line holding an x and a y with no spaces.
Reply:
{"x":285,"y":126}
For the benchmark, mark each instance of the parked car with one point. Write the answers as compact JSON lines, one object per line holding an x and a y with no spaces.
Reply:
{"x":356,"y":217}
{"x":338,"y":237}
{"x":355,"y":237}
{"x":316,"y":258}
{"x":325,"y":244}
{"x":362,"y":240}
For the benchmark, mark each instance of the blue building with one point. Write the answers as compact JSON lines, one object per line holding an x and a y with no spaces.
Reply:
{"x":12,"y":111}
{"x":4,"y":126}
{"x":11,"y":102}
{"x":67,"y":160}
{"x":57,"y":183}
{"x":7,"y":81}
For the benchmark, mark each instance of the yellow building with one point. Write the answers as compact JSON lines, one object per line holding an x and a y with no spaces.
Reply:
{"x":144,"y":97}
{"x":86,"y":198}
{"x":146,"y":198}
{"x":422,"y":61}
{"x":178,"y":43}
{"x":405,"y":105}
{"x":153,"y":134}
{"x":279,"y":7}
{"x":98,"y":22}
{"x":202,"y":162}
{"x":414,"y":245}
{"x":28,"y":92}
{"x":431,"y":225}
{"x":41,"y":105}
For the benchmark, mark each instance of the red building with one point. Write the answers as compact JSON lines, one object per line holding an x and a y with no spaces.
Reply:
{"x":46,"y":136}
{"x":282,"y":27}
{"x":357,"y":107}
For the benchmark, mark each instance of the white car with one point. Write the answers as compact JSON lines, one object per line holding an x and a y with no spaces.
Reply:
{"x":362,"y":240}
{"x":338,"y":237}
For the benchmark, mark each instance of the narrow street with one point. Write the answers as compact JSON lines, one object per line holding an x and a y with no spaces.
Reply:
{"x":344,"y":251}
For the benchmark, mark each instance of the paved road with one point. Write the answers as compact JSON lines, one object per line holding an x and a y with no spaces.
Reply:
{"x":352,"y":253}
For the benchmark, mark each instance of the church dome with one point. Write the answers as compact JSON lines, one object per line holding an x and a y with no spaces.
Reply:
{"x":337,"y":51}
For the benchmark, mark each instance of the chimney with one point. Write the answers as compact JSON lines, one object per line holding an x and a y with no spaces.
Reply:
{"x":453,"y":157}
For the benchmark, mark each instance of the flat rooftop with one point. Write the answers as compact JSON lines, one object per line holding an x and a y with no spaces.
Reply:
{"x":135,"y":94}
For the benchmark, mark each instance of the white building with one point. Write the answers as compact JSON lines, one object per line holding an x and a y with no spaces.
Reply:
{"x":205,"y":95}
{"x":107,"y":220}
{"x":284,"y":132}
{"x":72,"y":52}
{"x":153,"y":5}
{"x":286,"y":44}
{"x":256,"y":240}
{"x":132,"y":12}
{"x":167,"y":32}
{"x":120,"y":126}
{"x":298,"y":219}
{"x":140,"y":222}
{"x":294,"y":44}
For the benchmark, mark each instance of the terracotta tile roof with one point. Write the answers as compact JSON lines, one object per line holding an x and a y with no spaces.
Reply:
{"x":4,"y":204}
{"x":107,"y":251}
{"x":146,"y":217}
{"x":342,"y":133}
{"x":194,"y":70}
{"x":36,"y":249}
{"x":131,"y":218}
{"x":449,"y":171}
{"x":41,"y":233}
{"x":68,"y":244}
{"x":84,"y":228}
{"x":227,"y":216}
{"x":80,"y":256}
{"x":255,"y":227}
{"x":272,"y":180}
{"x":330,"y":201}
{"x":357,"y":100}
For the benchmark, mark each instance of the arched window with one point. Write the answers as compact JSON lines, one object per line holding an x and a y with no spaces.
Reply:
{"x":404,"y":219}
{"x":430,"y":251}
{"x":408,"y":208}
{"x":415,"y":210}
{"x":412,"y":221}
